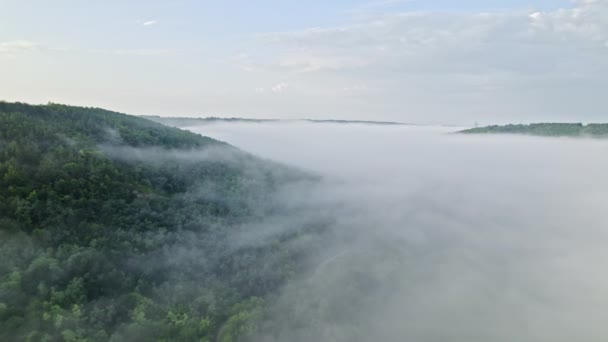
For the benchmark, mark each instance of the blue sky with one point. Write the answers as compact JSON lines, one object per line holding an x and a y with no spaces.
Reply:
{"x":433,"y":61}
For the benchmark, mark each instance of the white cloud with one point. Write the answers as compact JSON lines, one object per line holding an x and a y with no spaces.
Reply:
{"x":279,"y":87}
{"x":445,"y":42}
{"x":18,"y":46}
{"x":276,"y":89}
{"x":147,"y":22}
{"x":518,"y":64}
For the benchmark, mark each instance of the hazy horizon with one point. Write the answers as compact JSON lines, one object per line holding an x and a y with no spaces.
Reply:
{"x":431,"y":62}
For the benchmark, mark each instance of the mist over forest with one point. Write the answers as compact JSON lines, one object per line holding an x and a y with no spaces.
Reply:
{"x":117,"y":228}
{"x":303,"y":171}
{"x":439,"y":236}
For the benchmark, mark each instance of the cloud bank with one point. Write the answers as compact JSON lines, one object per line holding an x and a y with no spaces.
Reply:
{"x":438,"y":236}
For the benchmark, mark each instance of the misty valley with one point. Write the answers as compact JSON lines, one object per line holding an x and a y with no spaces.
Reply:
{"x":303,"y":171}
{"x":117,"y":228}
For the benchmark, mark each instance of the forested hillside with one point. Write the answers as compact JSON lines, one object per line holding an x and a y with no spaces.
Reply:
{"x":114,"y":227}
{"x":546,"y":129}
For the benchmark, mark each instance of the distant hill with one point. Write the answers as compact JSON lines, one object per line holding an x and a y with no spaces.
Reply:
{"x":546,"y":129}
{"x":115,"y":227}
{"x":356,"y":122}
{"x":184,"y":122}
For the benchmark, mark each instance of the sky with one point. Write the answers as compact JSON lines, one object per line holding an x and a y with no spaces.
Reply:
{"x":414,"y":61}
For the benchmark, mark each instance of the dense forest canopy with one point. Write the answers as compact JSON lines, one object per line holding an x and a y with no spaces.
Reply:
{"x":546,"y":129}
{"x":114,"y":227}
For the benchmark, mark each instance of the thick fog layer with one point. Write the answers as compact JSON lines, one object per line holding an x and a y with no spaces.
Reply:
{"x":439,"y":236}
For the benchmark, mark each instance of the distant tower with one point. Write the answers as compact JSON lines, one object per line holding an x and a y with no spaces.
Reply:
{"x":476,"y":124}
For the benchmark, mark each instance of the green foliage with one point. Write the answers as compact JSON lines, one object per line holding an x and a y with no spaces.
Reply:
{"x":243,"y":321}
{"x":546,"y":129}
{"x":113,"y":228}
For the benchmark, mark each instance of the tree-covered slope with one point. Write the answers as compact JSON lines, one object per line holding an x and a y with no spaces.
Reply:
{"x":113,"y":227}
{"x":546,"y":129}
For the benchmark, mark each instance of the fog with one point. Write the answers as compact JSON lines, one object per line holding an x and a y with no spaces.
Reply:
{"x":438,"y":236}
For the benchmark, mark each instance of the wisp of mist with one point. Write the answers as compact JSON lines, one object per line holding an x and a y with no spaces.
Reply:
{"x":441,"y":236}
